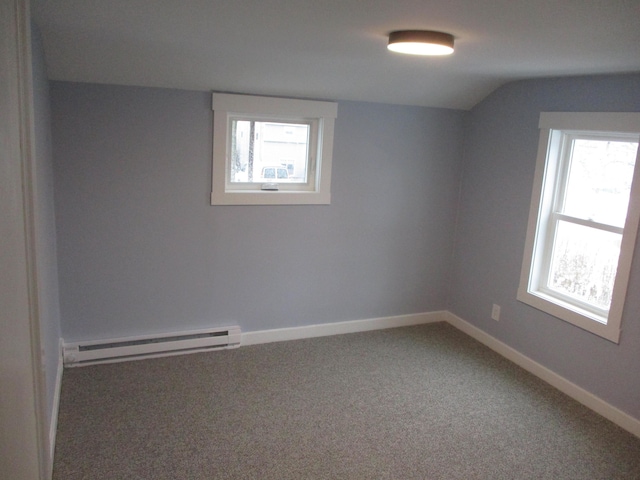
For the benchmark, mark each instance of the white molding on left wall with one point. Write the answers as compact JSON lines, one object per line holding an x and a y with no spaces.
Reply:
{"x":23,"y":422}
{"x":337,"y":328}
{"x":53,"y":427}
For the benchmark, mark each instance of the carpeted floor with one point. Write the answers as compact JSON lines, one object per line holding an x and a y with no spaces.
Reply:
{"x":422,"y":402}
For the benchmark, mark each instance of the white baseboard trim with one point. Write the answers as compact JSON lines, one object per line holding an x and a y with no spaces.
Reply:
{"x":352,"y":326}
{"x":53,"y":427}
{"x":579,"y":394}
{"x":586,"y":398}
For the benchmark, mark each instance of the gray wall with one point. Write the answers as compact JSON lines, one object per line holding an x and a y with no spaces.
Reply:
{"x":45,"y":229}
{"x":142,"y":251}
{"x":499,"y":163}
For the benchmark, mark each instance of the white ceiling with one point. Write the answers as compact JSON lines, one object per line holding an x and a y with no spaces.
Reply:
{"x":335,"y":49}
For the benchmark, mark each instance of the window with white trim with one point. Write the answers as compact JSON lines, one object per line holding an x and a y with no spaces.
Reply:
{"x":270,"y":151}
{"x":583,"y":219}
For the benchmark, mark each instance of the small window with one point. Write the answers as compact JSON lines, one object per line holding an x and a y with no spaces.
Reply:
{"x":583,"y":219}
{"x":271,"y":150}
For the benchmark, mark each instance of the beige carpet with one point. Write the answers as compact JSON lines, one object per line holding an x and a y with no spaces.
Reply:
{"x":422,"y":402}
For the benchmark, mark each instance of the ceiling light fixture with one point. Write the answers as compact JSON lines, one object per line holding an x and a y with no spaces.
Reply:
{"x":421,"y":42}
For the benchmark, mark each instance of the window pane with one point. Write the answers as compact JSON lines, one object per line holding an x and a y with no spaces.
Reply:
{"x":599,"y":180}
{"x":264,"y":151}
{"x":584,"y":263}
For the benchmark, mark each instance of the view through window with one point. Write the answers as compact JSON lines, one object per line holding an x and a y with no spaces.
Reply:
{"x":269,"y":152}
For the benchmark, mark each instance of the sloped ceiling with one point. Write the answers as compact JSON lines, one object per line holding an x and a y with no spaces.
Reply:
{"x":335,"y":49}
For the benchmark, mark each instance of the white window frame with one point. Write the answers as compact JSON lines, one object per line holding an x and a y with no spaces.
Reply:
{"x":320,"y":116}
{"x":555,"y":128}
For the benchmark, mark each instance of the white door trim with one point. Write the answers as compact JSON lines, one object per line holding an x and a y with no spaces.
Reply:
{"x":23,"y":433}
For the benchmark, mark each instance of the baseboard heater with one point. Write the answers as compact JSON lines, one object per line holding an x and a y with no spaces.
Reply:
{"x":149,"y":346}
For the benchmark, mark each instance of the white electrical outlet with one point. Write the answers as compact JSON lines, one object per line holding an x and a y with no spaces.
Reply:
{"x":495,"y":312}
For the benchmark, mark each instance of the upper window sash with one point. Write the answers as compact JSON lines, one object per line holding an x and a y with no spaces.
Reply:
{"x":566,"y":161}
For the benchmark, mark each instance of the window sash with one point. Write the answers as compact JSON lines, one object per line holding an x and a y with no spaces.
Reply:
{"x":311,"y":155}
{"x":566,"y":160}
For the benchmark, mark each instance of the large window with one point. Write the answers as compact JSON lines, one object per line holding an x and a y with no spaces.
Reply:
{"x":271,"y":150}
{"x":583,"y":219}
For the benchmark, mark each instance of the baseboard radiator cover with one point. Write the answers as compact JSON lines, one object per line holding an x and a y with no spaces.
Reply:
{"x":150,"y":346}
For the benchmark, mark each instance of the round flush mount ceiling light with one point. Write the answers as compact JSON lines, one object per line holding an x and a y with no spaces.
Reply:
{"x":421,"y":42}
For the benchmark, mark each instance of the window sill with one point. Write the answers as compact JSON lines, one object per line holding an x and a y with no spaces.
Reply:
{"x":571,"y":314}
{"x":267,"y":197}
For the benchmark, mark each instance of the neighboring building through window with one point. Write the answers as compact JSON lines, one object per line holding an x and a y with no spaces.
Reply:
{"x":270,"y":150}
{"x":583,"y":219}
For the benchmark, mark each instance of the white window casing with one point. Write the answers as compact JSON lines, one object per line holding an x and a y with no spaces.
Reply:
{"x":318,"y":118}
{"x":550,"y":182}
